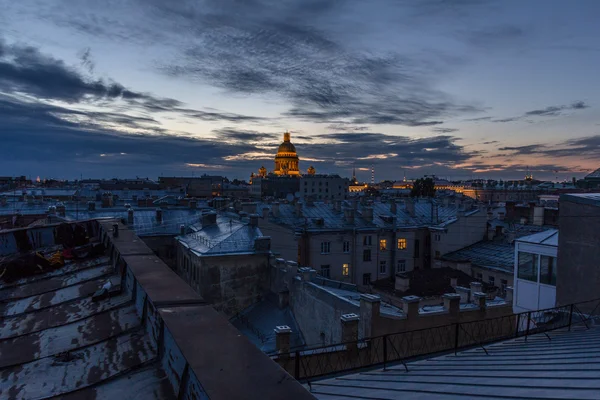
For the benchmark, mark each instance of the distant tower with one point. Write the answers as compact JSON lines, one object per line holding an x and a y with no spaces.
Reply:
{"x":354,"y":174}
{"x":372,"y":174}
{"x":311,"y":170}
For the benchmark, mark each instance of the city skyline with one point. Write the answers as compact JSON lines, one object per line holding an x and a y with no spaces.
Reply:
{"x":459,"y":89}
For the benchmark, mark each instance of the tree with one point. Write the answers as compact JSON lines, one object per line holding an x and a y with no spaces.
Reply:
{"x":423,"y":187}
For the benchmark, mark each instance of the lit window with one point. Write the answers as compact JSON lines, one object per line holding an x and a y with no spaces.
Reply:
{"x":382,"y":245}
{"x":382,"y":266}
{"x":325,"y":271}
{"x":401,"y":266}
{"x":402,"y":244}
{"x":346,"y":247}
{"x":325,"y":247}
{"x":345,"y":269}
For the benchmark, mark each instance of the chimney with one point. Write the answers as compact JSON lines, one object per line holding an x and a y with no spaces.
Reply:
{"x":490,"y":215}
{"x":262,"y":244}
{"x":298,"y":209}
{"x":130,"y":216}
{"x":265,"y":213}
{"x":282,"y":339}
{"x":61,"y":209}
{"x":350,"y":331}
{"x":538,"y":215}
{"x":410,"y":207}
{"x":209,"y":218}
{"x":182,"y":229}
{"x":410,"y":306}
{"x":158,"y":215}
{"x":253,"y":220}
{"x":275,"y":209}
{"x":501,"y":216}
{"x":370,"y":306}
{"x":368,"y":214}
{"x":479,"y":299}
{"x":349,"y":215}
{"x":337,"y":205}
{"x":454,"y":282}
{"x":393,"y":207}
{"x":475,"y":287}
{"x":402,"y":283}
{"x":452,"y":303}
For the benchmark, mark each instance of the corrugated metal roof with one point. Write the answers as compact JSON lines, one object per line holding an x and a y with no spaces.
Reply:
{"x":228,"y":235}
{"x":55,"y":340}
{"x":565,"y":367}
{"x":548,"y":238}
{"x":332,"y":219}
{"x":486,"y":254}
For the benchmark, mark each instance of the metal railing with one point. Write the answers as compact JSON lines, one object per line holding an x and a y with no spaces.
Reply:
{"x":396,"y":348}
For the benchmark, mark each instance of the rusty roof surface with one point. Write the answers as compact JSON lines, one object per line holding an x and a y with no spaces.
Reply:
{"x":56,"y":340}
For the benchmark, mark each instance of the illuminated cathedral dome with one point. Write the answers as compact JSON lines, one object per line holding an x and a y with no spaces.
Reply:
{"x":286,"y":160}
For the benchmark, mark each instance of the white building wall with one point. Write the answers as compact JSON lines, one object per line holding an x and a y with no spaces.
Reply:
{"x":529,"y":295}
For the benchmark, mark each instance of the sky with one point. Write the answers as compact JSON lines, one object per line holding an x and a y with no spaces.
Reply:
{"x":456,"y":88}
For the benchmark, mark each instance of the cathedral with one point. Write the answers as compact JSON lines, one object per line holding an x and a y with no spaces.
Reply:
{"x":286,"y":160}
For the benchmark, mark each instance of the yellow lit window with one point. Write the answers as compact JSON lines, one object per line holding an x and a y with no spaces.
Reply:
{"x":382,"y":245}
{"x":401,"y":244}
{"x":345,"y":269}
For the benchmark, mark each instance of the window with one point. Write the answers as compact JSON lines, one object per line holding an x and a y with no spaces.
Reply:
{"x":345,"y":269}
{"x":528,"y":266}
{"x":437,"y":254}
{"x":367,"y":255}
{"x":382,"y":245}
{"x":366,"y":279}
{"x":401,"y":266}
{"x":417,"y":248}
{"x":382,"y":266}
{"x":492,"y":280}
{"x":325,"y":247}
{"x":402,"y":244}
{"x":325,"y":271}
{"x":367,"y":240}
{"x":548,"y":270}
{"x":346,"y":247}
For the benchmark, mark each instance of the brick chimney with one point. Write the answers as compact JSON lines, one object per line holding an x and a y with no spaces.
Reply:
{"x":367,"y":214}
{"x":350,"y":331}
{"x":253,"y":220}
{"x":282,"y":339}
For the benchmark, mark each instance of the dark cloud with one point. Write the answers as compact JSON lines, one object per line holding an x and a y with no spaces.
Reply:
{"x":556,"y":110}
{"x":444,"y":130}
{"x":478,"y":119}
{"x":520,"y":150}
{"x":586,"y":147}
{"x":491,"y":142}
{"x":86,"y":60}
{"x":232,"y":134}
{"x":221,"y":116}
{"x":506,"y":120}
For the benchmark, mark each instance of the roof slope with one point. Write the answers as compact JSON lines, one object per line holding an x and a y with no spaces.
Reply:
{"x":566,"y":367}
{"x":548,"y":238}
{"x":486,"y":254}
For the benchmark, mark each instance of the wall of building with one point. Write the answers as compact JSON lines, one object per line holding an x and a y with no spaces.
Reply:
{"x":164,"y":247}
{"x":467,"y":230}
{"x":578,"y":271}
{"x":323,"y":187}
{"x":284,"y":243}
{"x":230,"y":283}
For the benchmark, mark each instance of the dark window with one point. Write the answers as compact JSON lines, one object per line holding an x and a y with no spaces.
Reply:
{"x":346,"y":247}
{"x":548,"y":270}
{"x":366,"y":279}
{"x":528,"y":266}
{"x":325,"y":247}
{"x":417,"y":248}
{"x":367,"y":240}
{"x":367,"y":255}
{"x":325,"y":271}
{"x":401,"y":266}
{"x":382,"y":266}
{"x":492,"y":280}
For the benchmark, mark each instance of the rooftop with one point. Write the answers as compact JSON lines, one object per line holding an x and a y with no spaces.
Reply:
{"x":226,"y":235}
{"x":548,"y":238}
{"x":592,"y":199}
{"x":486,"y":254}
{"x":565,"y":367}
{"x":115,"y":322}
{"x":593,"y":175}
{"x":312,"y":215}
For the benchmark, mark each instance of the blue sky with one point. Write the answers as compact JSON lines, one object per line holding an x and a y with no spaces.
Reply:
{"x":457,"y":88}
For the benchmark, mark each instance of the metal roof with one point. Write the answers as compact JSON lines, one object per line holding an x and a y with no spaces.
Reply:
{"x":334,"y":220}
{"x":548,"y":238}
{"x":592,"y":199}
{"x":594,"y":175}
{"x":565,"y":367}
{"x":55,"y":340}
{"x":486,"y":254}
{"x":228,"y":235}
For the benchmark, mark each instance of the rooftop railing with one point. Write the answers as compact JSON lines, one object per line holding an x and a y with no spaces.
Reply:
{"x":401,"y":347}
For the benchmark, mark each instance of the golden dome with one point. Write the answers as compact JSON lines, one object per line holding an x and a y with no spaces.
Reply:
{"x":286,"y":160}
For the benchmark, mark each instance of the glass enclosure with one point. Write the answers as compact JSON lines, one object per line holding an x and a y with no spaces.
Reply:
{"x":536,"y":268}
